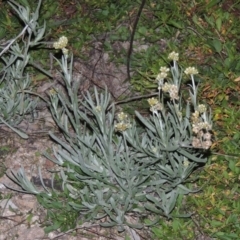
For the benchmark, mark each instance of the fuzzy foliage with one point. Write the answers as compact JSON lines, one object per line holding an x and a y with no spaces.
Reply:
{"x":125,"y":167}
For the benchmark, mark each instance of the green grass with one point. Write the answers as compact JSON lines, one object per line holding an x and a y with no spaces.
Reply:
{"x":206,"y":34}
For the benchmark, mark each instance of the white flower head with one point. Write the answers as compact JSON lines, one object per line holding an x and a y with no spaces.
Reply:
{"x":152,"y":101}
{"x":154,"y":149}
{"x":61,"y":43}
{"x":173,"y":92}
{"x":156,"y":108}
{"x":164,"y":70}
{"x":195,"y":117}
{"x":166,"y":87}
{"x":191,"y":71}
{"x":120,"y":127}
{"x":161,"y":76}
{"x":98,"y":108}
{"x":173,"y":56}
{"x":202,"y":108}
{"x":163,"y":73}
{"x":122,"y":116}
{"x":186,"y":162}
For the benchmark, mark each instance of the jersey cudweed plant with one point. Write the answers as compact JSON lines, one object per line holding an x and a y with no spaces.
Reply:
{"x":111,"y":168}
{"x":116,"y":169}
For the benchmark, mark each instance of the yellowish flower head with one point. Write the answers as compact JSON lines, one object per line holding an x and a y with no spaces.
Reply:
{"x":173,"y":56}
{"x":61,"y":43}
{"x":156,"y":108}
{"x":120,"y":127}
{"x":98,"y":108}
{"x":163,"y":73}
{"x":166,"y":87}
{"x":195,"y":114}
{"x":202,"y":108}
{"x":154,"y":149}
{"x":164,"y":70}
{"x":152,"y":101}
{"x":122,"y":116}
{"x":161,"y":76}
{"x":191,"y":71}
{"x":186,"y":162}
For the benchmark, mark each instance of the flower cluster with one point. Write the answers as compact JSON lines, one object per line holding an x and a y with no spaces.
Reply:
{"x":155,"y":105}
{"x":202,"y":108}
{"x":200,"y":125}
{"x":98,"y":108}
{"x":123,"y":123}
{"x":61,"y":44}
{"x":173,"y":56}
{"x":163,"y":73}
{"x":186,"y":163}
{"x":191,"y":71}
{"x":172,"y":90}
{"x":197,"y":127}
{"x":201,"y":128}
{"x":161,"y":76}
{"x":202,"y":142}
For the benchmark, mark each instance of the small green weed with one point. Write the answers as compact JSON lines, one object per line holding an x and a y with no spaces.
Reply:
{"x":5,"y":150}
{"x":60,"y":214}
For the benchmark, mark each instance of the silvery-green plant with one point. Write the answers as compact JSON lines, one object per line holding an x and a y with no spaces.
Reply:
{"x":128,"y":168}
{"x":16,"y":100}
